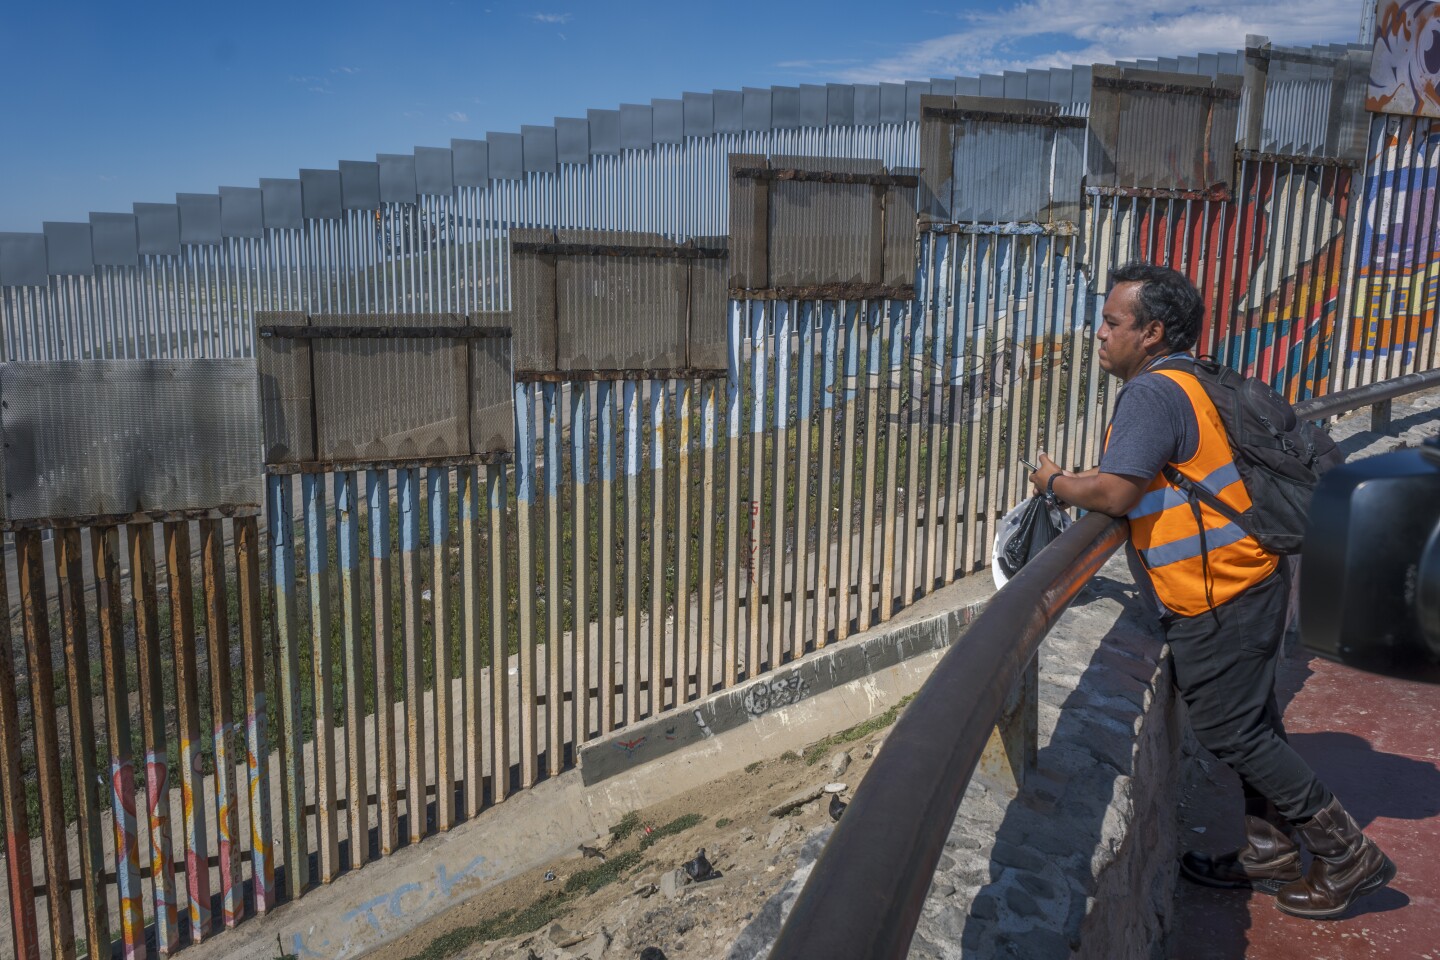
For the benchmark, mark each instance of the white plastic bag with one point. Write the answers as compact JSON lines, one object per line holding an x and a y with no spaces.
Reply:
{"x":1009,"y":527}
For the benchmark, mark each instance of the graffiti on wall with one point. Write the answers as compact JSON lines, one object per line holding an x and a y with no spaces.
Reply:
{"x":1405,"y":67}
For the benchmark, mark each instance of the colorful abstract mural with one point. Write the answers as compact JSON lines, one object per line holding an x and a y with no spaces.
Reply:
{"x":1396,"y":274}
{"x":1269,"y":262}
{"x":1405,"y":67}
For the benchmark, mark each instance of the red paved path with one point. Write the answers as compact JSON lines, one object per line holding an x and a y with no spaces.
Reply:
{"x":1376,"y":743}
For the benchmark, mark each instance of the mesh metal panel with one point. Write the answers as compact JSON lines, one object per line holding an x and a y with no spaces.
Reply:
{"x":121,"y":436}
{"x":533,"y":299}
{"x":825,"y":232}
{"x":286,"y":410}
{"x":749,"y":225}
{"x":709,"y":300}
{"x":619,"y":313}
{"x":900,"y":231}
{"x":393,"y":398}
{"x":492,"y":401}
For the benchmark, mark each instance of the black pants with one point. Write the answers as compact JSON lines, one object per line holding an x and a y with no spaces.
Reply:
{"x":1225,"y":670}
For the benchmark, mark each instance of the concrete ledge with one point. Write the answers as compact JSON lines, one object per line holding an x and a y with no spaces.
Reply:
{"x":840,"y":686}
{"x":1081,"y":863}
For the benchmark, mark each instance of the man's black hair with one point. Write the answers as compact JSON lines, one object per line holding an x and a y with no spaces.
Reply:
{"x":1167,"y":296}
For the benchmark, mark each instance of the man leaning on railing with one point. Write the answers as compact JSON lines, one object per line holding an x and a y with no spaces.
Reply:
{"x":1221,"y":599}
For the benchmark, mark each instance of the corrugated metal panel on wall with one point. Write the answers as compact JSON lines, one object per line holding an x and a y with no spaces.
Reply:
{"x":115,"y":437}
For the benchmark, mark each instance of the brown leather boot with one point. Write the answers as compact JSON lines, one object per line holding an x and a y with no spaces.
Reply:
{"x":1345,"y":866}
{"x":1269,"y":860}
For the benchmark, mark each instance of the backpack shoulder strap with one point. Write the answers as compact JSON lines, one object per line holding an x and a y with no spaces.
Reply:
{"x":1200,"y":493}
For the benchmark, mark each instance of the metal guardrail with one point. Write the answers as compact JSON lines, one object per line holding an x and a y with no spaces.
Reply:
{"x":865,"y":894}
{"x":1377,"y":395}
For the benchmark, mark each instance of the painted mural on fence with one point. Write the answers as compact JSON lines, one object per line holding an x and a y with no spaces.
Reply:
{"x":1397,"y":270}
{"x":1287,"y":291}
{"x":1405,"y":67}
{"x":1270,"y":305}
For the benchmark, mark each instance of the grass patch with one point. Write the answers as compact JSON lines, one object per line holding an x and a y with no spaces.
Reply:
{"x":752,"y":767}
{"x":678,"y":825}
{"x":723,"y":822}
{"x":628,"y":824}
{"x":553,"y":905}
{"x":507,"y":924}
{"x":817,"y":751}
{"x":605,"y":874}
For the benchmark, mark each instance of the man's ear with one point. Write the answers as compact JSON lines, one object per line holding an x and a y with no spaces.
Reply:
{"x":1154,"y":333}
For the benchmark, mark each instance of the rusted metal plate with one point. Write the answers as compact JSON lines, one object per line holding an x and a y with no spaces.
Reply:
{"x":898,"y":268}
{"x":997,"y":160}
{"x":390,"y":399}
{"x":821,"y":223}
{"x":613,"y":313}
{"x":749,"y":224}
{"x":492,"y":397}
{"x":532,"y":298}
{"x":709,"y":319}
{"x":1134,"y":112}
{"x":605,"y":300}
{"x":287,"y":412}
{"x":825,"y":232}
{"x":118,"y":436}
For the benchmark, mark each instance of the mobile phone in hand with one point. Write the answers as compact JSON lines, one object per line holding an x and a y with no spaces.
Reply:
{"x":1027,"y":463}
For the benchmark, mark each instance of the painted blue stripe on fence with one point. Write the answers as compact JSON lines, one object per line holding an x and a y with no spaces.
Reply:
{"x":377,"y":491}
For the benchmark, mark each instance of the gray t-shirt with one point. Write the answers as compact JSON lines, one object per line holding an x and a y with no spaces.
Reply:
{"x":1153,"y":425}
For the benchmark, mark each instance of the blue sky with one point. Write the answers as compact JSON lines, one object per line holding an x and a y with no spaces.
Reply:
{"x":104,"y":104}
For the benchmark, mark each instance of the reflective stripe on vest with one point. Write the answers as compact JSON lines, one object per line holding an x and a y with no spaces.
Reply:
{"x":1188,"y":577}
{"x":1171,"y":496}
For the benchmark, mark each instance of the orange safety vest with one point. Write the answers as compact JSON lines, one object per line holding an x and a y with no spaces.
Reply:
{"x":1192,"y":572}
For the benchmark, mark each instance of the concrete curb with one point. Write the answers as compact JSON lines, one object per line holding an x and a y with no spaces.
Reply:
{"x":921,"y":629}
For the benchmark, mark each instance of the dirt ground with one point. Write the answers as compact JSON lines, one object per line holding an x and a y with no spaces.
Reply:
{"x":618,"y":908}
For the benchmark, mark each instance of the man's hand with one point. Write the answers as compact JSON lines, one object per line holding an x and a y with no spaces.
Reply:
{"x":1047,"y":469}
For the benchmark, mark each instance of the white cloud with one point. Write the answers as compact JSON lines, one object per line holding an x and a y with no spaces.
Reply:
{"x":556,"y":18}
{"x":456,"y":116}
{"x":1059,"y":33}
{"x":350,"y":70}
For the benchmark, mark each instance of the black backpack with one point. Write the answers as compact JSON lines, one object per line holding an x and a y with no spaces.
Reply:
{"x":1279,"y":457}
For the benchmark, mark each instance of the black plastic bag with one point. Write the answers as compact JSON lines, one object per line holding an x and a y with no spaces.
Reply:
{"x":1039,"y":521}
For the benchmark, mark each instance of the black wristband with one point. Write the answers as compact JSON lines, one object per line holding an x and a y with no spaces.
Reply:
{"x":1050,"y":486}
